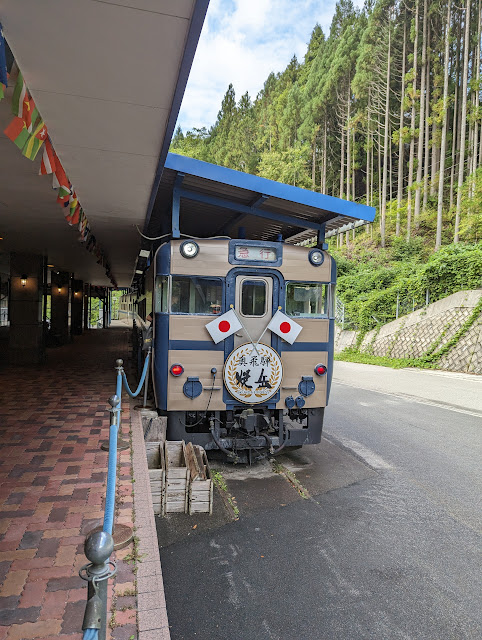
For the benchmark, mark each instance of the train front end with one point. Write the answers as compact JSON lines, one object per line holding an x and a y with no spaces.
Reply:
{"x":243,"y":344}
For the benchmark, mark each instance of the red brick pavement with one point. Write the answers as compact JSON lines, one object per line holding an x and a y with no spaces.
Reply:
{"x":52,"y":487}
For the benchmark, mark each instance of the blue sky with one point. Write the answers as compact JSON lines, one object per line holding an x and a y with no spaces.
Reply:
{"x":242,"y":41}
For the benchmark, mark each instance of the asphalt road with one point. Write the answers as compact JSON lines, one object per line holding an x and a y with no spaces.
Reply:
{"x":379,"y":540}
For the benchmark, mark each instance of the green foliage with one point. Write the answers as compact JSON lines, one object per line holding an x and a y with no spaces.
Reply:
{"x":370,"y":284}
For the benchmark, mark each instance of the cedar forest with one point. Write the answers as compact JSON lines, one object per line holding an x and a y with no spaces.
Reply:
{"x":383,"y":110}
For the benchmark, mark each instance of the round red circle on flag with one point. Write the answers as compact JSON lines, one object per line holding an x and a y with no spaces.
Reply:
{"x":285,"y":327}
{"x":224,"y":326}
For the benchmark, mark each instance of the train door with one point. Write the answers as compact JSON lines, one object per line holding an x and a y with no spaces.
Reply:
{"x":254,"y":306}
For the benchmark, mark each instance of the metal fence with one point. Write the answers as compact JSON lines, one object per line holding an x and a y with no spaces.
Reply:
{"x":404,"y":306}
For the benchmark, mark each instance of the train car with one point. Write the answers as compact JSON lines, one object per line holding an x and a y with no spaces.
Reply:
{"x":243,"y":327}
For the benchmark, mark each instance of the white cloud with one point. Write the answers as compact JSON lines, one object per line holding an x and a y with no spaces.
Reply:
{"x":241,"y":43}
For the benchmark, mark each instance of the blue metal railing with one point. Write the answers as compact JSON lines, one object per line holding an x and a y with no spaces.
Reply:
{"x":100,"y":544}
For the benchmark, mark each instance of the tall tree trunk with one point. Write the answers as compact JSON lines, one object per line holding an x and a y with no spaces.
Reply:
{"x":463,"y":119}
{"x":433,"y":178}
{"x":412,"y":127}
{"x":348,"y":142}
{"x":426,"y":168}
{"x":313,"y":167}
{"x":421,"y":121}
{"x":383,"y":212}
{"x":342,"y":163}
{"x":401,"y":145}
{"x":443,"y":146}
{"x":477,"y":91}
{"x":353,"y":190}
{"x":380,"y":171}
{"x":454,"y":140}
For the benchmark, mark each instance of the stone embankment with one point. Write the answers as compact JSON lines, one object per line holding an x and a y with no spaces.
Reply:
{"x":427,"y":331}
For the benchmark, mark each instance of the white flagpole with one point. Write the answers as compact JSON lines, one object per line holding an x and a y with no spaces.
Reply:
{"x":266,"y":329}
{"x":247,"y":333}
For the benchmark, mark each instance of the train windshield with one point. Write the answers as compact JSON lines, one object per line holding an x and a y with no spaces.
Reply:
{"x":307,"y":299}
{"x":253,"y":298}
{"x":196,"y":295}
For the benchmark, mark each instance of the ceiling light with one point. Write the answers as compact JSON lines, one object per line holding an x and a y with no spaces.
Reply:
{"x":50,"y":265}
{"x":139,"y":271}
{"x":144,"y":253}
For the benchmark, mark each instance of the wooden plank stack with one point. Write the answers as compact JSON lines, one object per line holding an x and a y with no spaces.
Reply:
{"x":200,"y":499}
{"x":157,"y":473}
{"x":180,"y":478}
{"x":177,"y":477}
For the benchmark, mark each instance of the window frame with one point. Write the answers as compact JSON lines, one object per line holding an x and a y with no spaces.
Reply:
{"x":326,"y":315}
{"x":184,"y":313}
{"x":266,"y":291}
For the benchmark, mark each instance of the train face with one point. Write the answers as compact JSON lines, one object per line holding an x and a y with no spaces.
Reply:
{"x":223,"y":378}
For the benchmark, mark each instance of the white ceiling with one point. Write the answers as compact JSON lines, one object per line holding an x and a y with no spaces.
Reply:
{"x":103,"y":75}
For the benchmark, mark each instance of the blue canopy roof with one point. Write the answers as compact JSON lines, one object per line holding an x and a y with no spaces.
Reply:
{"x":214,"y":200}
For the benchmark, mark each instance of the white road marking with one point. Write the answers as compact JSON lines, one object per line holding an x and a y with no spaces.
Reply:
{"x":368,"y":456}
{"x":409,"y":398}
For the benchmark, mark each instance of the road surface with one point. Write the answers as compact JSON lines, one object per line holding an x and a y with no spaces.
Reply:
{"x":374,"y":533}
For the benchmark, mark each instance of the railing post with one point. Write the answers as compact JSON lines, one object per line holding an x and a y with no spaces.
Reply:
{"x":98,"y":547}
{"x":146,"y":383}
{"x":122,"y":445}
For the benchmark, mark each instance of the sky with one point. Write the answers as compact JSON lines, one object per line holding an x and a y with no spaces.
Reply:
{"x":242,"y":41}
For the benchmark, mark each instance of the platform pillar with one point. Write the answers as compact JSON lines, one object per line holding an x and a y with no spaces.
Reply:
{"x":76,"y":307}
{"x":59,"y":321}
{"x":26,"y":335}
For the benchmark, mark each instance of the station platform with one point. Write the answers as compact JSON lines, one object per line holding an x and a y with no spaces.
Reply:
{"x":53,"y":419}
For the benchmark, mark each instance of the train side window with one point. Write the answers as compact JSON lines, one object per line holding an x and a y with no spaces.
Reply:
{"x":307,"y":299}
{"x":161,"y":297}
{"x":253,"y":298}
{"x":196,"y":295}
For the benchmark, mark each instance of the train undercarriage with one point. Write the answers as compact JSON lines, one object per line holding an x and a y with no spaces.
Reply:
{"x":246,"y":434}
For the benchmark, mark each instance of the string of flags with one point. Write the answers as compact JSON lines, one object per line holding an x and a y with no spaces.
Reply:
{"x":3,"y":65}
{"x":29,"y":133}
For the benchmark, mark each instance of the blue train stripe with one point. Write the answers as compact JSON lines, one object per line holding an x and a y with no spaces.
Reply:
{"x":306,"y":346}
{"x":195,"y":345}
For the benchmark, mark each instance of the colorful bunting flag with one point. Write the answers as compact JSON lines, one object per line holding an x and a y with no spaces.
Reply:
{"x":35,"y":141}
{"x":3,"y":60}
{"x":17,"y":132}
{"x":48,"y":159}
{"x":30,"y":113}
{"x":2,"y":91}
{"x":19,"y":95}
{"x":61,"y":182}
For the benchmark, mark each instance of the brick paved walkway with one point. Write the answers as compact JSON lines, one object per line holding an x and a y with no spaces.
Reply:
{"x":52,"y":475}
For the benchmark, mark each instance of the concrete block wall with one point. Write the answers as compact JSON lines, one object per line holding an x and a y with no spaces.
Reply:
{"x":412,"y":335}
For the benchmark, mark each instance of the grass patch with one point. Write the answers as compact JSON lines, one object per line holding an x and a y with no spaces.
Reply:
{"x":351,"y":355}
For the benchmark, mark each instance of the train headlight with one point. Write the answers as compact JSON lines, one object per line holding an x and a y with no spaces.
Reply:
{"x":189,"y":249}
{"x":177,"y":370}
{"x":316,"y":257}
{"x":320,"y":369}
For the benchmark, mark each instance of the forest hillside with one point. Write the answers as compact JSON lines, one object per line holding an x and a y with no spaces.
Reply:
{"x":385,"y":110}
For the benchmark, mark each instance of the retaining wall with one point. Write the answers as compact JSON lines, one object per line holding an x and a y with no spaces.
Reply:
{"x":414,"y":334}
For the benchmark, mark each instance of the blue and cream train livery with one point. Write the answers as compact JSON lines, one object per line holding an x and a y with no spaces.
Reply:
{"x":243,"y":327}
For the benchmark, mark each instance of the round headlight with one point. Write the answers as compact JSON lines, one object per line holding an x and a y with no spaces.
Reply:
{"x":316,"y":257}
{"x":189,"y":249}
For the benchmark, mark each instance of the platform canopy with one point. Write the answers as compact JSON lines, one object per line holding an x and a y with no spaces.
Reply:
{"x":205,"y":200}
{"x":108,"y":78}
